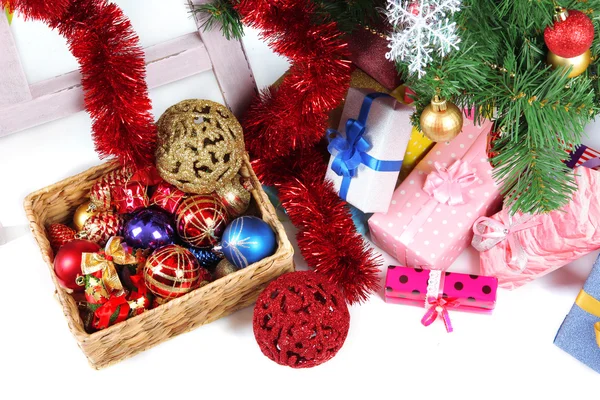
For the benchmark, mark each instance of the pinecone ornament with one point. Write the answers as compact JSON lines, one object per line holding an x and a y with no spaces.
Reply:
{"x":100,"y":194}
{"x":59,"y":235}
{"x":101,"y":227}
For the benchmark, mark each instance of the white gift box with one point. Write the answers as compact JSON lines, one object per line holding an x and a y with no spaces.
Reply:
{"x":373,"y":155}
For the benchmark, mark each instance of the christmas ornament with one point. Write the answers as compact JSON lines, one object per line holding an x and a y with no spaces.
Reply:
{"x":115,"y":310}
{"x":67,"y":263}
{"x":248,"y":240}
{"x":173,"y":271}
{"x":200,"y":146}
{"x":140,"y":298}
{"x":149,"y":229}
{"x":571,"y":34}
{"x":420,"y":28}
{"x":82,"y":213}
{"x":201,"y":220}
{"x":206,"y":257}
{"x":223,"y":268}
{"x":441,"y":120}
{"x":130,"y":197}
{"x":101,"y":227}
{"x":167,"y":197}
{"x":59,"y":235}
{"x":234,"y":196}
{"x":285,"y":156}
{"x":300,"y":320}
{"x":101,"y":191}
{"x":579,"y":64}
{"x":113,"y":71}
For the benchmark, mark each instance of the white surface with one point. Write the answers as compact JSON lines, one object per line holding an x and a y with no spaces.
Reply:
{"x":387,"y":353}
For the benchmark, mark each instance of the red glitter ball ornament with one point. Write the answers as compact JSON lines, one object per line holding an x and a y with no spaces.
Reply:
{"x":201,"y":220}
{"x":300,"y":320}
{"x":570,"y":37}
{"x":172,"y":271}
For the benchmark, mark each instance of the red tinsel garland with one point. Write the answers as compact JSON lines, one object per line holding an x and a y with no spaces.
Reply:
{"x":113,"y":72}
{"x":283,"y":127}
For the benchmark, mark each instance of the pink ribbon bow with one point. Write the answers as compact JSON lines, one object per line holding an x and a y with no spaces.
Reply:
{"x":445,"y":185}
{"x":489,"y":232}
{"x":439,"y":308}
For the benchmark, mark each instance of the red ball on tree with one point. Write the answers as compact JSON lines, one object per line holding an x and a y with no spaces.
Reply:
{"x":67,"y":263}
{"x":300,"y":320}
{"x":571,"y":35}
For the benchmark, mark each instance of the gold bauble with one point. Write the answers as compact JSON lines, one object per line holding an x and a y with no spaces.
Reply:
{"x":441,"y":120}
{"x":223,"y":268}
{"x":200,"y":146}
{"x":82,"y":214}
{"x":579,"y":63}
{"x":235,"y":197}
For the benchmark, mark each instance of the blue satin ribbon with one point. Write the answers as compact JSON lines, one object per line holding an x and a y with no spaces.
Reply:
{"x":352,"y":151}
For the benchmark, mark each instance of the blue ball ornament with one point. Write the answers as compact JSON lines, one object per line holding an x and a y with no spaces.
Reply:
{"x":149,"y":228}
{"x":248,"y":240}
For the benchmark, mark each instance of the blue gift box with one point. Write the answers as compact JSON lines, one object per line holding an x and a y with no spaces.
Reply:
{"x":578,"y":333}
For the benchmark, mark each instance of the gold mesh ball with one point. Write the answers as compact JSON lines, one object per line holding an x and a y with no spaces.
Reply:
{"x":200,"y":146}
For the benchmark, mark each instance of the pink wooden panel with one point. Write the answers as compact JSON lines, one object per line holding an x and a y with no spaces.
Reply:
{"x":13,"y":82}
{"x":61,"y":96}
{"x":230,"y":65}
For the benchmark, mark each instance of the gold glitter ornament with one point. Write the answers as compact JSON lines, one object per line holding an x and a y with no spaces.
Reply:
{"x":234,"y":196}
{"x":200,"y":146}
{"x":223,"y":268}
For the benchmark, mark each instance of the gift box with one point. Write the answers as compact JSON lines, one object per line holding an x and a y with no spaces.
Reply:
{"x":432,"y":212}
{"x":520,"y":248}
{"x":442,"y":290}
{"x":367,"y":151}
{"x":579,"y":334}
{"x":584,"y":156}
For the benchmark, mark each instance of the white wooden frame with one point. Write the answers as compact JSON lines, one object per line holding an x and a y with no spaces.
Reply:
{"x":23,"y":106}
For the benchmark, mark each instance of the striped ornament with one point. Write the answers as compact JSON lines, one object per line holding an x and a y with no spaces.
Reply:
{"x":201,"y":220}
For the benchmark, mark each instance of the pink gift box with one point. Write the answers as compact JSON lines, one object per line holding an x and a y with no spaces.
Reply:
{"x":521,"y":248}
{"x":429,"y":222}
{"x":474,"y":293}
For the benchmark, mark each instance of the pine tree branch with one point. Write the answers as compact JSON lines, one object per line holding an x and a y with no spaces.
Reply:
{"x":222,"y":14}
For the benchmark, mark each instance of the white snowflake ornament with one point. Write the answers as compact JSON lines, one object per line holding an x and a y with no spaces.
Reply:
{"x":420,"y":28}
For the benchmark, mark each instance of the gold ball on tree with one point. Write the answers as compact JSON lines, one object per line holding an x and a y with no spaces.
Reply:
{"x":579,"y":63}
{"x":441,"y":120}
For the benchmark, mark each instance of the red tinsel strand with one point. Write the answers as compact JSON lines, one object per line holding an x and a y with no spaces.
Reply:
{"x":37,"y":9}
{"x":282,"y":127}
{"x":113,"y":74}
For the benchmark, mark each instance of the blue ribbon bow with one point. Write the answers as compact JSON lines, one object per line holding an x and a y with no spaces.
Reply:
{"x":352,"y":151}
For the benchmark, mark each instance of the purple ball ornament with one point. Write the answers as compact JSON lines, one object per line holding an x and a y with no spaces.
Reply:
{"x":149,"y":228}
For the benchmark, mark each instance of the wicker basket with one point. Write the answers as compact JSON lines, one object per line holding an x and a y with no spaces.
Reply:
{"x":56,"y":203}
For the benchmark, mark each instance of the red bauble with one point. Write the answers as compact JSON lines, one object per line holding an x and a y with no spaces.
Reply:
{"x":67,"y":263}
{"x":301,"y":320}
{"x":571,"y":37}
{"x":172,"y":271}
{"x":59,"y":235}
{"x":201,"y":221}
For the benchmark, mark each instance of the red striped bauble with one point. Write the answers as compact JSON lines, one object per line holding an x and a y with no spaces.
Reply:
{"x":172,"y":271}
{"x":201,"y":220}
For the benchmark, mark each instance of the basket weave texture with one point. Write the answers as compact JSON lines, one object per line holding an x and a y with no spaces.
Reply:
{"x":56,"y":203}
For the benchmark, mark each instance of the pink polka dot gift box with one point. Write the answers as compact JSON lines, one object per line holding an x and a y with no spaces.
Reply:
{"x":429,"y":222}
{"x":440,"y":291}
{"x":520,"y":248}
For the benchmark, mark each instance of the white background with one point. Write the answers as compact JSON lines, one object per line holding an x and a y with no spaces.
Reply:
{"x":387,"y":352}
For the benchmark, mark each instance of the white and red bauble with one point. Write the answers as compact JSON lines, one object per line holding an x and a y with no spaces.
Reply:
{"x":172,"y":271}
{"x":201,"y":220}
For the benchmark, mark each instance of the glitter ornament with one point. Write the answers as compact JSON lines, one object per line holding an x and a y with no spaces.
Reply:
{"x":201,"y":220}
{"x":578,"y":65}
{"x":441,"y":120}
{"x":200,"y":146}
{"x":82,"y":213}
{"x":300,"y":320}
{"x":59,"y":235}
{"x":67,"y":263}
{"x":206,"y":257}
{"x":248,"y":240}
{"x":224,"y":268}
{"x":101,"y":227}
{"x":571,"y":34}
{"x":234,"y":196}
{"x":173,"y":271}
{"x":150,"y":228}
